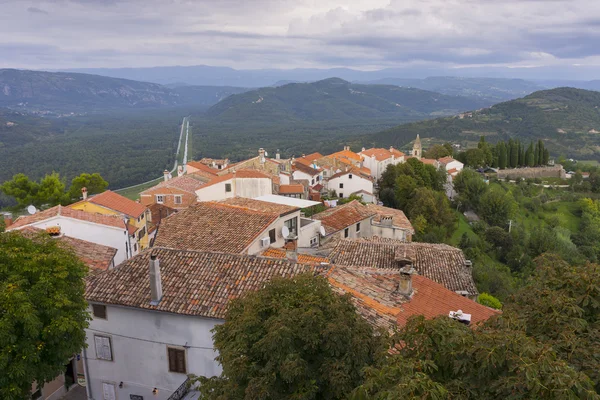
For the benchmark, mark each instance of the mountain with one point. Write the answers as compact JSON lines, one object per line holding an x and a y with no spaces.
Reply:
{"x":567,"y":119}
{"x":492,"y":90}
{"x":335,"y":99}
{"x":65,"y":93}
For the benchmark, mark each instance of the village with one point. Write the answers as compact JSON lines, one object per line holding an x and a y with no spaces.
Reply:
{"x":163,"y":268}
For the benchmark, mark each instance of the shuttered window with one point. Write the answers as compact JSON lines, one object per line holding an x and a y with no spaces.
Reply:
{"x":99,"y":311}
{"x":103,"y":348}
{"x":177,"y":360}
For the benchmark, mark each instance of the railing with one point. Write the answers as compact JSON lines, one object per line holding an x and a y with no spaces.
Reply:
{"x":181,"y":391}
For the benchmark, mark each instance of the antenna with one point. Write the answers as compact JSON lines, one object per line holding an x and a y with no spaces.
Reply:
{"x":31,"y":209}
{"x":285,"y":232}
{"x":322,"y":230}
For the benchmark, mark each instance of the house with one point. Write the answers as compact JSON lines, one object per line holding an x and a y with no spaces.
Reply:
{"x":215,"y":163}
{"x":177,"y":193}
{"x":308,"y":173}
{"x":346,"y":157}
{"x":390,"y":223}
{"x":106,"y":230}
{"x":260,"y":162}
{"x":236,"y":225}
{"x":158,"y":212}
{"x":295,"y":190}
{"x":441,"y":263}
{"x":111,"y":203}
{"x":351,"y":220}
{"x":378,"y":159}
{"x":451,"y":165}
{"x":352,"y":181}
{"x":153,"y":317}
{"x":248,"y":183}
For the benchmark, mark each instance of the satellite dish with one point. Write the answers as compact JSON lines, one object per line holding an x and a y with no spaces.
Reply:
{"x":285,"y":231}
{"x":266,"y":154}
{"x":31,"y":209}
{"x":322,"y":230}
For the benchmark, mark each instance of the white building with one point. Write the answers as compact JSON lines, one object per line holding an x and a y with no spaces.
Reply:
{"x":350,"y":182}
{"x":390,"y":223}
{"x":351,"y":220}
{"x":310,"y":173}
{"x":151,"y":326}
{"x":451,"y":165}
{"x":107,"y":230}
{"x":378,"y":159}
{"x":243,"y":183}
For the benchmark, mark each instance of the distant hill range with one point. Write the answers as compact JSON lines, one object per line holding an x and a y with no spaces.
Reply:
{"x":335,"y":99}
{"x":59,"y":92}
{"x":567,"y":119}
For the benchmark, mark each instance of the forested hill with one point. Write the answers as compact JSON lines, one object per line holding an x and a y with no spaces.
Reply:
{"x":567,"y":119}
{"x":65,"y":93}
{"x":335,"y":99}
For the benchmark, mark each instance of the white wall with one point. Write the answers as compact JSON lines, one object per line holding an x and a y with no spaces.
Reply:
{"x":101,"y":234}
{"x":215,"y":192}
{"x":279,"y":223}
{"x":312,"y":179}
{"x":350,"y":185}
{"x":454,"y":164}
{"x":389,"y":232}
{"x":252,"y":187}
{"x":308,"y":232}
{"x":365,"y":231}
{"x":378,"y":167}
{"x":139,"y":341}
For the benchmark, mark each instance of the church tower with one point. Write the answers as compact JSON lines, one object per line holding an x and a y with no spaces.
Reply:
{"x":417,"y":149}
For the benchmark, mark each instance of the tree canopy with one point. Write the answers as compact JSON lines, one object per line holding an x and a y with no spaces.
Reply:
{"x":43,"y":312}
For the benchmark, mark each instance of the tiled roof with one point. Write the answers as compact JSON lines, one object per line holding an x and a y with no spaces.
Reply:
{"x":250,"y":173}
{"x":211,"y":226}
{"x":187,"y":183}
{"x":302,"y":258}
{"x":346,"y":154}
{"x":95,"y":256}
{"x":363,"y":172}
{"x":311,"y":157}
{"x":209,"y":161}
{"x":429,"y":161}
{"x":193,"y":283}
{"x":293,"y":188}
{"x":158,"y":212}
{"x":439,"y":262}
{"x":381,"y":154}
{"x":446,"y":160}
{"x":218,"y":179}
{"x":340,"y":217}
{"x":399,"y":220}
{"x":307,"y":169}
{"x":116,"y":202}
{"x":261,"y":206}
{"x":202,"y":167}
{"x":109,"y":220}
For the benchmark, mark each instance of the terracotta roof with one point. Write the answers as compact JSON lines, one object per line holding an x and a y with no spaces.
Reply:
{"x":307,"y":169}
{"x":446,"y":160}
{"x":346,"y":154}
{"x":217,"y":179}
{"x":202,"y":167}
{"x":340,"y":217}
{"x":399,"y":220}
{"x":116,"y":202}
{"x":209,"y":161}
{"x":302,"y":258}
{"x":95,"y":256}
{"x":250,"y":173}
{"x":211,"y":226}
{"x":293,"y":188}
{"x":311,"y":157}
{"x":364,"y":173}
{"x":187,"y":183}
{"x":261,"y":206}
{"x":439,"y":262}
{"x":381,"y":154}
{"x":318,"y":187}
{"x":193,"y":283}
{"x":158,"y":212}
{"x":109,"y":220}
{"x":429,"y":161}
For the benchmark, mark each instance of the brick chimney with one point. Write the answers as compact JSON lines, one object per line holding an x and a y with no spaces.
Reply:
{"x":155,"y":281}
{"x":84,"y":193}
{"x":405,"y":283}
{"x":261,"y":155}
{"x":166,"y":175}
{"x":291,"y":250}
{"x":179,"y":170}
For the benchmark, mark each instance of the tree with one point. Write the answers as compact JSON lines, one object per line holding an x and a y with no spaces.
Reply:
{"x":530,"y":155}
{"x":502,"y":156}
{"x":514,"y":154}
{"x":293,"y":339}
{"x":439,"y":151}
{"x":43,"y":312}
{"x":470,"y":187}
{"x":496,"y":207}
{"x":24,"y":190}
{"x":545,"y":157}
{"x":51,"y":191}
{"x":433,"y":207}
{"x":475,"y":158}
{"x":94,"y":183}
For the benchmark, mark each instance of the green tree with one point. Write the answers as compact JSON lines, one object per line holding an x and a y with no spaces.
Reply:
{"x":43,"y":312}
{"x":23,"y":190}
{"x":496,"y":207}
{"x":514,"y":154}
{"x":433,"y":207}
{"x":93,"y":182}
{"x":51,"y":190}
{"x":438,"y":151}
{"x":470,"y":186}
{"x":545,"y":157}
{"x":475,"y":158}
{"x":530,"y":155}
{"x":293,"y":339}
{"x":502,"y":155}
{"x":490,"y":301}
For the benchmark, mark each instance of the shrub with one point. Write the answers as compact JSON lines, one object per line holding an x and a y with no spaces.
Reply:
{"x":489,"y":301}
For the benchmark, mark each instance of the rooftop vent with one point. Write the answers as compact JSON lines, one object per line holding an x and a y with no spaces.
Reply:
{"x":460,"y":316}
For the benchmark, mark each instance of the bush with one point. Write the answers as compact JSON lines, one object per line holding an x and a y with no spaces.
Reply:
{"x":490,"y":301}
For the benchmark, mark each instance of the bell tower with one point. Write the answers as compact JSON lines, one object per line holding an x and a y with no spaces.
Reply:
{"x":417,"y":148}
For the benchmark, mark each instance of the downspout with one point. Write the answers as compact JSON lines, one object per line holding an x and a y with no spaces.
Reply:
{"x":88,"y":383}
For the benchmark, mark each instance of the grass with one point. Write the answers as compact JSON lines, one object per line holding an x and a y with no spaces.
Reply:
{"x":463,"y":227}
{"x":591,"y":163}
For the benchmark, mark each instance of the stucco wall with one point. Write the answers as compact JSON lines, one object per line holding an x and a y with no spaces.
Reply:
{"x":187,"y":199}
{"x":350,"y":185}
{"x":215,"y":192}
{"x":390,"y":232}
{"x":365,"y":231}
{"x":139,"y":345}
{"x":256,"y":247}
{"x":252,"y":187}
{"x":308,"y":232}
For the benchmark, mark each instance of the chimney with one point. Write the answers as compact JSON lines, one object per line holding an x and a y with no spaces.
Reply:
{"x":84,"y":193}
{"x":261,"y":155}
{"x":277,"y":155}
{"x":179,"y":170}
{"x":155,"y":281}
{"x":386,"y":220}
{"x":405,"y":284}
{"x":363,"y":149}
{"x":291,"y":250}
{"x":166,"y":175}
{"x":346,"y":148}
{"x":391,"y":148}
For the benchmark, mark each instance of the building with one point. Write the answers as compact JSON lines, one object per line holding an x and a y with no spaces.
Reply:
{"x":295,"y":190}
{"x":378,"y":159}
{"x":390,"y":223}
{"x":441,"y":263}
{"x":417,"y":151}
{"x":351,"y":220}
{"x":352,"y":181}
{"x":111,"y":203}
{"x":247,"y":183}
{"x":345,"y":158}
{"x":177,"y":193}
{"x":107,"y":230}
{"x":260,"y":162}
{"x":451,"y":165}
{"x":215,"y":163}
{"x":308,"y":173}
{"x":149,"y":330}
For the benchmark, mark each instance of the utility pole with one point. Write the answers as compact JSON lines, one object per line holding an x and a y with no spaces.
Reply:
{"x":509,"y":225}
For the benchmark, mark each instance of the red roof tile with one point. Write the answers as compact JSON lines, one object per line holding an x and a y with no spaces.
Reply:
{"x":108,"y":220}
{"x":302,"y":258}
{"x":116,"y":202}
{"x":202,"y":167}
{"x":290,"y":189}
{"x":399,"y":219}
{"x":307,"y":169}
{"x":259,"y":205}
{"x":340,"y":217}
{"x":381,"y":154}
{"x":188,"y":183}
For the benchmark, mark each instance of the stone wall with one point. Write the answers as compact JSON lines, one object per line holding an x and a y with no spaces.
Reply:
{"x":555,"y":171}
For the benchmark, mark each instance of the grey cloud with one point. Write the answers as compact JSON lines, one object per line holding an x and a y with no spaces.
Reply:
{"x":35,"y":10}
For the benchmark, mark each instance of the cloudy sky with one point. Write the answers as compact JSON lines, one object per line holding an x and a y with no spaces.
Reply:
{"x":361,"y":34}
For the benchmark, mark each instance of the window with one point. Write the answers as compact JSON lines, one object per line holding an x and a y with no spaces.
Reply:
{"x":314,"y":241}
{"x":312,"y":182}
{"x":141,"y":233}
{"x":103,"y":348}
{"x":176,"y":360}
{"x":346,"y":232}
{"x":358,"y":227}
{"x":272,"y":237}
{"x":341,"y":195}
{"x":349,"y":176}
{"x":341,"y":185}
{"x":135,"y":247}
{"x":228,"y":187}
{"x":177,"y":199}
{"x":108,"y":391}
{"x":99,"y":311}
{"x":292,"y":225}
{"x":160,"y":198}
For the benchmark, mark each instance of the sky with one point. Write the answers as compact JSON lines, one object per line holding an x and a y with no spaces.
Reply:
{"x":251,"y":34}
